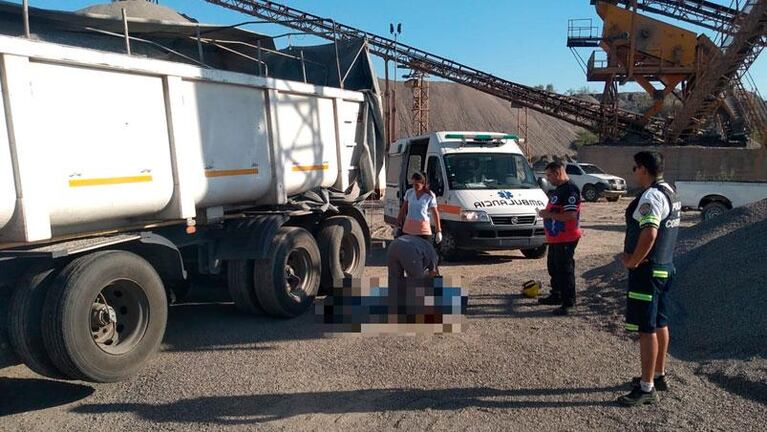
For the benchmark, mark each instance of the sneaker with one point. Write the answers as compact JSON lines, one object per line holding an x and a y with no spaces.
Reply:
{"x":660,"y":383}
{"x":550,"y":300}
{"x":637,"y":397}
{"x":561,"y":311}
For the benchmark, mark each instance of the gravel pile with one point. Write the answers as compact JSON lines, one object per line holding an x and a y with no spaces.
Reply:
{"x":720,"y":296}
{"x":136,"y":9}
{"x":720,"y":300}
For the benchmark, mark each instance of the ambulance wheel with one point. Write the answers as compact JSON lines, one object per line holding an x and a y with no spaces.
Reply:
{"x":342,"y":250}
{"x":536,"y":253}
{"x":447,"y":248}
{"x":290,"y":277}
{"x":105,"y":315}
{"x":25,"y":313}
{"x":590,"y":193}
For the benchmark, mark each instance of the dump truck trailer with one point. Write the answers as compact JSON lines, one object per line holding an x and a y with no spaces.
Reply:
{"x":123,"y":178}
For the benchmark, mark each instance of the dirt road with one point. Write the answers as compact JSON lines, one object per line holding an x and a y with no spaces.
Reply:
{"x":515,"y":368}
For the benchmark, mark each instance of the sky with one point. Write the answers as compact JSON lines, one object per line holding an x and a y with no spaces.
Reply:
{"x":519,"y":40}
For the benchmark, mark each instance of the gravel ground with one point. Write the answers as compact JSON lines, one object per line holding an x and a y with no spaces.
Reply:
{"x":515,"y":368}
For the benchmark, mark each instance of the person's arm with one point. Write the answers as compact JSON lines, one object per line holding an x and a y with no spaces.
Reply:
{"x":435,"y":216}
{"x":644,"y":246}
{"x":652,"y":208}
{"x":431,"y":261}
{"x":560,"y":217}
{"x":402,"y":214}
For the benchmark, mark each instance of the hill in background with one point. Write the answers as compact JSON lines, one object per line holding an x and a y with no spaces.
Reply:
{"x":457,"y":107}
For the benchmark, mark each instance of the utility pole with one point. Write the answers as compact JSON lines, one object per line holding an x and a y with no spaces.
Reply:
{"x":395,"y":31}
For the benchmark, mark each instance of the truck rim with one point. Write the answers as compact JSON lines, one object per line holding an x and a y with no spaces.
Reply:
{"x":297,"y":273}
{"x":119,"y":317}
{"x":349,"y":252}
{"x":713,"y":212}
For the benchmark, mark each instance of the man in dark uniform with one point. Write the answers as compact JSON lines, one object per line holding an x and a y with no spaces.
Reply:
{"x":411,"y":255}
{"x":561,"y":224}
{"x":652,"y":224}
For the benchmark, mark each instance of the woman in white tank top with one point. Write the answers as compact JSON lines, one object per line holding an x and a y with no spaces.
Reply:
{"x":419,"y":209}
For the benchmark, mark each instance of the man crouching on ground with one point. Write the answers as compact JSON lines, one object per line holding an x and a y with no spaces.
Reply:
{"x":413,"y":256}
{"x":652,"y":224}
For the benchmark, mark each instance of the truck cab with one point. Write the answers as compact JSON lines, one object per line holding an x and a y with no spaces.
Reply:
{"x":487,"y":193}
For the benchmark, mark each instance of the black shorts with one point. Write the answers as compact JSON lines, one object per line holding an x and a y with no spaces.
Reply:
{"x":647,"y":302}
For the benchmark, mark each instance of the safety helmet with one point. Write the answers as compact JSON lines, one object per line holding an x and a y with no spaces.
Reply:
{"x":531,"y":288}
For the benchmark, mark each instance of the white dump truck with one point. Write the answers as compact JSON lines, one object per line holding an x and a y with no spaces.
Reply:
{"x":121,"y":176}
{"x":487,"y":193}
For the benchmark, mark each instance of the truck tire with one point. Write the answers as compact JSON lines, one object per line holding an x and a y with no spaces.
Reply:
{"x":242,"y":287}
{"x":535,"y":253}
{"x":342,"y":250}
{"x":125,"y":301}
{"x":590,"y":193}
{"x":25,"y":313}
{"x":714,"y":209}
{"x":290,"y":277}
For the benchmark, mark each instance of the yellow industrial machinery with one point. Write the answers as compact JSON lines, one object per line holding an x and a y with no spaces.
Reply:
{"x":647,"y":51}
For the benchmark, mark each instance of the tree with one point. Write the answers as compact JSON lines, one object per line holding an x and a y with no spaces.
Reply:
{"x":547,"y":87}
{"x":585,"y":138}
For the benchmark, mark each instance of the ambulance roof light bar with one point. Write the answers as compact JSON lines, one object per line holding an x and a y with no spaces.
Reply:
{"x":480,"y":137}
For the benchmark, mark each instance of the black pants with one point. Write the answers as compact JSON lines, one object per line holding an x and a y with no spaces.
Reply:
{"x":561,"y":267}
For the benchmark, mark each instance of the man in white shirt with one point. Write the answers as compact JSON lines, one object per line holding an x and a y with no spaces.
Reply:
{"x":652,"y":226}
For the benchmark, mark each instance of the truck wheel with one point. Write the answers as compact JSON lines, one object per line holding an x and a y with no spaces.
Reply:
{"x":613,"y":199}
{"x":590,"y":193}
{"x":342,"y":249}
{"x":25,"y":313}
{"x":105,"y":316}
{"x":536,"y":253}
{"x":290,"y":277}
{"x":240,"y":279}
{"x":714,"y":209}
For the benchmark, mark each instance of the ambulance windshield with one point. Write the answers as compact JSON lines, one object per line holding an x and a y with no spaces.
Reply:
{"x":488,"y":171}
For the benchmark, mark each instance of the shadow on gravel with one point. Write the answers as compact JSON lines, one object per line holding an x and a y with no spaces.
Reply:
{"x":743,"y":387}
{"x":220,"y":327}
{"x":511,"y":306}
{"x":481,"y":259}
{"x":24,"y":395}
{"x":241,"y":410}
{"x":609,"y":228}
{"x":605,"y":295}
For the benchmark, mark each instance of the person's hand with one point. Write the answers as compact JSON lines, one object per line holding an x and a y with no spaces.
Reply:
{"x":438,"y":237}
{"x":626,"y":261}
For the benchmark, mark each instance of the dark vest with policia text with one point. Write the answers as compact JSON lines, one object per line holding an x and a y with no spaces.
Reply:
{"x":668,"y":228}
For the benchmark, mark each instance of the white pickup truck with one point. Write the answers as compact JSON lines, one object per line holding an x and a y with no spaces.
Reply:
{"x":592,"y":182}
{"x":714,"y":198}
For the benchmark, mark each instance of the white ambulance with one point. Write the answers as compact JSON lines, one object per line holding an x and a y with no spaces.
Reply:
{"x":487,"y":193}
